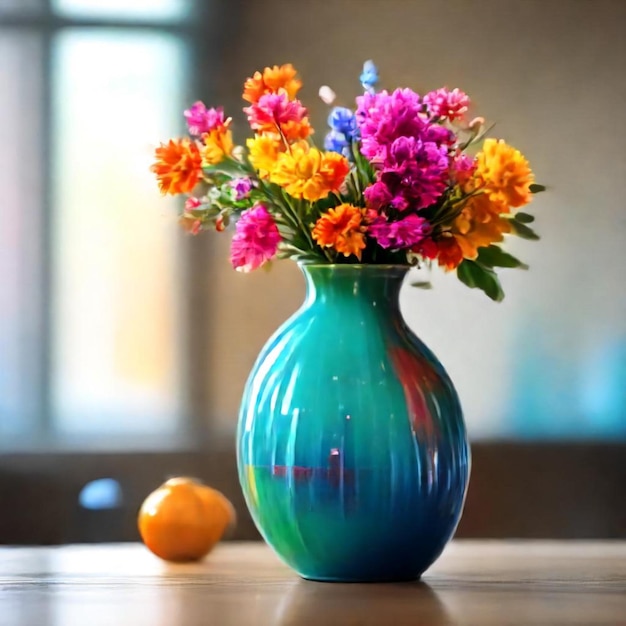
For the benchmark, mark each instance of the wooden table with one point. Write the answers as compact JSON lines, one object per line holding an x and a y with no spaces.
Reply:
{"x":481,"y":583}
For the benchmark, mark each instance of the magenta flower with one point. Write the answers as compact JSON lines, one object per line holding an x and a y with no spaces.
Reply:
{"x":448,"y":104}
{"x":274,"y":109}
{"x":413,"y":176}
{"x":201,"y":120}
{"x":410,"y":153}
{"x":383,"y":117}
{"x":256,"y":239}
{"x":378,"y":196}
{"x":439,"y":135}
{"x":241,"y":187}
{"x":405,"y":233}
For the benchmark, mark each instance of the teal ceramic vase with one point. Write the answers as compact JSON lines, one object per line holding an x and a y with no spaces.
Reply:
{"x":351,"y":446}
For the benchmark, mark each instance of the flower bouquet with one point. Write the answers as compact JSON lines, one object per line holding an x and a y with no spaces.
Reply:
{"x":403,"y":179}
{"x":351,"y":445}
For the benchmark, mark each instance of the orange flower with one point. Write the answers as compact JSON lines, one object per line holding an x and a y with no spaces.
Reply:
{"x":273,"y":80}
{"x":504,"y":174}
{"x":264,"y":151}
{"x":341,"y":228}
{"x":450,"y":253}
{"x":335,"y":168}
{"x":178,"y":166}
{"x":218,"y":144}
{"x":478,"y":225}
{"x":307,"y":173}
{"x":294,"y":131}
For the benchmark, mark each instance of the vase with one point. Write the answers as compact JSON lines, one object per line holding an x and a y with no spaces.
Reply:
{"x":351,"y":446}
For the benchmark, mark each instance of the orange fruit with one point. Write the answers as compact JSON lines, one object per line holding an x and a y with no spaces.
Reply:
{"x":183,"y":519}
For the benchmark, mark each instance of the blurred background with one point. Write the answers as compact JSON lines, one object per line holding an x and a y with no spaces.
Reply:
{"x":125,"y":344}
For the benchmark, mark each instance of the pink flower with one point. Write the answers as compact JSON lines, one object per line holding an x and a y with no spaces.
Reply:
{"x":256,"y":239}
{"x":192,"y":204}
{"x":201,"y":120}
{"x":463,"y":167}
{"x":404,"y":233}
{"x":449,"y":104}
{"x":274,"y":109}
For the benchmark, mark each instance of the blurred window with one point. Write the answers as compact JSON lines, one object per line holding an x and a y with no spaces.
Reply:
{"x":9,"y":7}
{"x":158,"y":10}
{"x":21,"y":86}
{"x":88,"y":255}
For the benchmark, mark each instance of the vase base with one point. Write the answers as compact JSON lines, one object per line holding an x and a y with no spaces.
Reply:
{"x":362,"y":580}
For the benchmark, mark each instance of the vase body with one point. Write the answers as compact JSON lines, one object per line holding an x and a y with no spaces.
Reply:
{"x":351,"y":446}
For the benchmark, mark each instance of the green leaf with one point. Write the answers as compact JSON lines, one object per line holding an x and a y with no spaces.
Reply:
{"x":534,"y":188}
{"x":524,"y":218}
{"x":229,"y":167}
{"x":422,"y":284}
{"x":494,"y":256}
{"x":523,"y":231}
{"x":477,"y":276}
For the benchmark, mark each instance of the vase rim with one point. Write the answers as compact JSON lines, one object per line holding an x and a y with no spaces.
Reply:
{"x":359,"y":266}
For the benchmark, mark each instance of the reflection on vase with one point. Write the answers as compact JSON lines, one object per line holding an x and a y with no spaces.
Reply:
{"x":352,"y":450}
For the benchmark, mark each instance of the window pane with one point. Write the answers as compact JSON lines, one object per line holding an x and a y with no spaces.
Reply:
{"x":20,"y":182}
{"x":123,"y":9}
{"x":115,"y":312}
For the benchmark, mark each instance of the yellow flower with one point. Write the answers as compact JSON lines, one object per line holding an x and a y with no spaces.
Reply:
{"x":478,"y":225}
{"x":264,"y":151}
{"x":341,"y":228}
{"x":504,"y":174}
{"x":307,"y":173}
{"x":218,"y":144}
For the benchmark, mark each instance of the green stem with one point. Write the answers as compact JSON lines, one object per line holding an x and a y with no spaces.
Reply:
{"x":336,"y":197}
{"x":282,"y":136}
{"x":327,"y":255}
{"x":357,"y":186}
{"x":294,"y":213}
{"x":451,"y":212}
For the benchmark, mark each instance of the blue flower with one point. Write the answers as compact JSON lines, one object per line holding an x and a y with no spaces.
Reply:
{"x":369,"y":76}
{"x":336,"y":142}
{"x":342,"y":120}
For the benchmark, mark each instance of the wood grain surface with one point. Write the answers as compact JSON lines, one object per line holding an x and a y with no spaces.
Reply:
{"x":481,"y":583}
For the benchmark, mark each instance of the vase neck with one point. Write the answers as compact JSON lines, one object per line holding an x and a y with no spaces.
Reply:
{"x":371,"y":285}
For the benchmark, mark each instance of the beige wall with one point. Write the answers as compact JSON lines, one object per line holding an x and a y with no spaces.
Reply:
{"x":551,"y":73}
